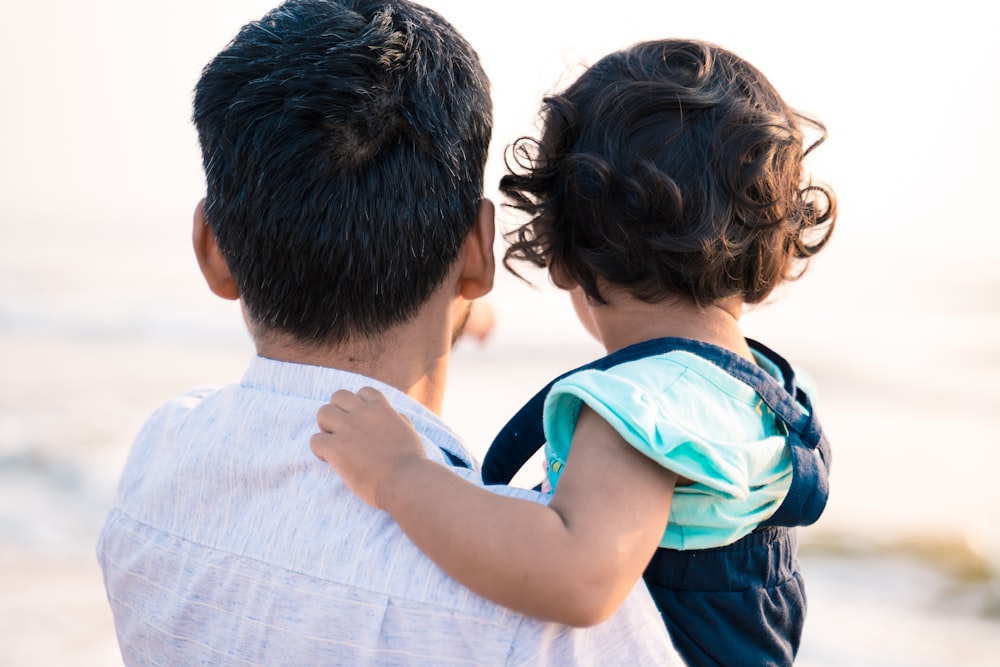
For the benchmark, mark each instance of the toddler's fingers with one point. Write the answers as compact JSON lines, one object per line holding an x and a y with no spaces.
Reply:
{"x":372,"y":395}
{"x":345,"y":400}
{"x":320,"y":443}
{"x":329,"y":416}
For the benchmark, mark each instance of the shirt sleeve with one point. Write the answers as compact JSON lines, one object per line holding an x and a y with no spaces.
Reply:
{"x":645,"y":419}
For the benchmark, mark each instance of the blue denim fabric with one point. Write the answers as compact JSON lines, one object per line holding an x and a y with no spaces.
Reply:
{"x":744,"y":603}
{"x":741,"y":604}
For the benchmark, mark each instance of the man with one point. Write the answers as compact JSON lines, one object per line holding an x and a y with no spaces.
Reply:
{"x":344,"y":145}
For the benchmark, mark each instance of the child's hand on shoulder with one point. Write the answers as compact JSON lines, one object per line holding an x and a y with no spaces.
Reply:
{"x":366,"y":441}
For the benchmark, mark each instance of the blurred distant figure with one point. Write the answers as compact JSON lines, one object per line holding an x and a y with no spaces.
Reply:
{"x":482,"y":319}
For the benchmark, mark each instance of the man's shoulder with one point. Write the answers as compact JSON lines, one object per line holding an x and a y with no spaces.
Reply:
{"x":180,"y":602}
{"x":338,"y":582}
{"x":224,"y":496}
{"x":179,"y":406}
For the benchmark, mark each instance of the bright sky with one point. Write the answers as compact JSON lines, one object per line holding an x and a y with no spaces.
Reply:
{"x":97,"y":94}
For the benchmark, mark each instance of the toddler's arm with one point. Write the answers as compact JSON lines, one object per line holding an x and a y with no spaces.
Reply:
{"x":573,"y":561}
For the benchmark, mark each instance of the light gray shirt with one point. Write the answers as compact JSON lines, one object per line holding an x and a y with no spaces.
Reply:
{"x":229,"y":543}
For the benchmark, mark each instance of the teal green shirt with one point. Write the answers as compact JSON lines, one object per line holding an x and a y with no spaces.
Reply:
{"x":695,"y":419}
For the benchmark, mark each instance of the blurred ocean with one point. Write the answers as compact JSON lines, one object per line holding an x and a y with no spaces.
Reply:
{"x":103,"y":315}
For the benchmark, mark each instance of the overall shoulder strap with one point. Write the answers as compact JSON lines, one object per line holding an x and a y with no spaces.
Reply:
{"x":523,"y":434}
{"x":810,"y":450}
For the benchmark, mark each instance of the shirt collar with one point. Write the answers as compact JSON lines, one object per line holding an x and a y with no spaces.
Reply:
{"x":318,"y":383}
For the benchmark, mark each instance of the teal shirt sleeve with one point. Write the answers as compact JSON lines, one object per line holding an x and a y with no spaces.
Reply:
{"x":694,"y":419}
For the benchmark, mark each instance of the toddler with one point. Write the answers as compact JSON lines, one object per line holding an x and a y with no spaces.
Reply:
{"x":666,"y":193}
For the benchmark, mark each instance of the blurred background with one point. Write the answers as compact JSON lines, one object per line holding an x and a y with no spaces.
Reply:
{"x":103,"y":314}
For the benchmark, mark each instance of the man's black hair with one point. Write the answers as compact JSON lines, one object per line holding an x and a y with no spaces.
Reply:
{"x":343,"y":144}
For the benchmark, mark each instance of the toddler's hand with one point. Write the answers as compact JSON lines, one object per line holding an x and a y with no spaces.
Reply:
{"x":366,"y":440}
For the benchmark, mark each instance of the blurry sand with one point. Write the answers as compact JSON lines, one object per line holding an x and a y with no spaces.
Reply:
{"x":53,"y":611}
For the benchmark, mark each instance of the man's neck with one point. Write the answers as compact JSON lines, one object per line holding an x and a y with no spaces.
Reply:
{"x":412,"y":357}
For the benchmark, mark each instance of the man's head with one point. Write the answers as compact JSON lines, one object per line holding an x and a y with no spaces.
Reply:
{"x":343,"y":143}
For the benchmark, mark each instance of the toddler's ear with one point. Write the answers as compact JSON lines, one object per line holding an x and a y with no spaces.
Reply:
{"x":210,"y":260}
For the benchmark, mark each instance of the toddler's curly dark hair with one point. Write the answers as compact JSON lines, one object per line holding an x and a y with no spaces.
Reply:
{"x":671,"y":168}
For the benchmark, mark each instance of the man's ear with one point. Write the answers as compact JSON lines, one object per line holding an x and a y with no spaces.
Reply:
{"x":213,"y":266}
{"x":479,"y":263}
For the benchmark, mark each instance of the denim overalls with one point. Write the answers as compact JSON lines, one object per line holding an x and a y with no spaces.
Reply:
{"x":744,"y":603}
